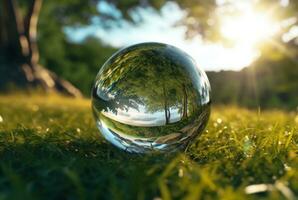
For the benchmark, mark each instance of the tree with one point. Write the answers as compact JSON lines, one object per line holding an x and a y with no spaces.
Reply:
{"x":19,"y":43}
{"x":19,"y":33}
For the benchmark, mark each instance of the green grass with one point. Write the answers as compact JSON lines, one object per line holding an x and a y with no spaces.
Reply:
{"x":51,"y":149}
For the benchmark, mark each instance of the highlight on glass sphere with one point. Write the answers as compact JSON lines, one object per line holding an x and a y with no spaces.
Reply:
{"x":151,"y":97}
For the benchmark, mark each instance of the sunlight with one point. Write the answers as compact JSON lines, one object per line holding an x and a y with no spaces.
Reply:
{"x":248,"y":29}
{"x":245,"y":31}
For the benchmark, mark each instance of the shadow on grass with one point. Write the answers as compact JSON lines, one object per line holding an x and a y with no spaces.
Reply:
{"x":51,"y":167}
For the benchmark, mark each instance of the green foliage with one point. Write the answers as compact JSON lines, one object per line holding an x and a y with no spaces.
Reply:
{"x":77,"y":62}
{"x":50,"y":149}
{"x":271,"y":83}
{"x":268,"y":83}
{"x":204,"y":17}
{"x":153,"y":75}
{"x":56,"y":54}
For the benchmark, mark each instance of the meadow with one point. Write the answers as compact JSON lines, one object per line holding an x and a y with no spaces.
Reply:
{"x":50,"y":148}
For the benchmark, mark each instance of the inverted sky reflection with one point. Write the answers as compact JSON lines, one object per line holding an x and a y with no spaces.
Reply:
{"x":141,"y":117}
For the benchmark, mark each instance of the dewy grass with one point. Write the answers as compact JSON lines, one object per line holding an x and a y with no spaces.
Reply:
{"x":50,"y":148}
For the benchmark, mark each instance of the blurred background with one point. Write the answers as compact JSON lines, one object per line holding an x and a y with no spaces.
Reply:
{"x":249,"y":48}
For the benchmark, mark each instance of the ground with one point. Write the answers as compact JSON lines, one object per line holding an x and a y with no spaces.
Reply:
{"x":51,"y":149}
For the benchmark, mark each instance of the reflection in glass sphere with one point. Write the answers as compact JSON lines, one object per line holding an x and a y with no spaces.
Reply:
{"x":151,"y":97}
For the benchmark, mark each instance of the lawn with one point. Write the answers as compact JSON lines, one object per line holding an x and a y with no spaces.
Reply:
{"x":51,"y":149}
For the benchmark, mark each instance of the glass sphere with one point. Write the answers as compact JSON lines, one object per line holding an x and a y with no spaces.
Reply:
{"x":151,"y":97}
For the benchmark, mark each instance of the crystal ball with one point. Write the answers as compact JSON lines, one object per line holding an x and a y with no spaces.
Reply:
{"x":151,"y":97}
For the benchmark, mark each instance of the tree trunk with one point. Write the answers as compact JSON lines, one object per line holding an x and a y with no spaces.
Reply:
{"x":18,"y":40}
{"x":185,"y":102}
{"x":166,"y":109}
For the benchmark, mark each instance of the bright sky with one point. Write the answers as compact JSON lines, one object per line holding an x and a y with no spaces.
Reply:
{"x":142,"y":118}
{"x":245,"y":30}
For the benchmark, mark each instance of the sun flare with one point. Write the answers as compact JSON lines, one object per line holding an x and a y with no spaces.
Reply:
{"x":246,"y":31}
{"x":249,"y":28}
